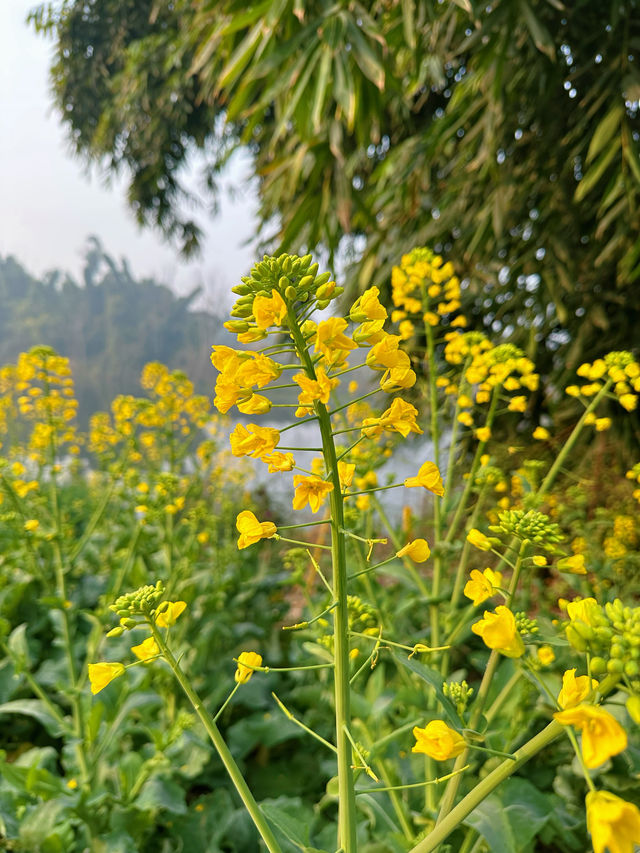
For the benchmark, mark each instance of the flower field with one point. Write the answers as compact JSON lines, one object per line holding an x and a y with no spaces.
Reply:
{"x":444,"y":661}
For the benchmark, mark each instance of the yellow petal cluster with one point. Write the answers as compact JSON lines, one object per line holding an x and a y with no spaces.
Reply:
{"x":613,"y":823}
{"x":482,"y":585}
{"x":438,"y":741}
{"x":418,"y":550}
{"x":575,"y":690}
{"x":101,"y":674}
{"x":499,"y":632}
{"x":602,"y":735}
{"x":428,"y":477}
{"x":310,"y":490}
{"x":251,"y":530}
{"x":246,"y":660}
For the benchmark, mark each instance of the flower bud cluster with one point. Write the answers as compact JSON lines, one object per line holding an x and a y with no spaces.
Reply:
{"x":272,"y":284}
{"x":524,"y":625}
{"x":611,"y":634}
{"x":532,"y":525}
{"x":459,"y":692}
{"x":618,"y":368}
{"x":141,"y":602}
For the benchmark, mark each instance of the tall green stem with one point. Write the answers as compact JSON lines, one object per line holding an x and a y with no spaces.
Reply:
{"x":347,"y":838}
{"x":221,"y":747}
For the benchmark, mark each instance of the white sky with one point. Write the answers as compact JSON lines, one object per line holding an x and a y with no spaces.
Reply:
{"x":49,"y":205}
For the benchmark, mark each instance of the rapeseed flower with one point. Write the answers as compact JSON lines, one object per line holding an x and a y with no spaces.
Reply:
{"x":169,"y":615}
{"x":613,"y":823}
{"x":573,"y":565}
{"x":438,"y":741}
{"x":253,"y":440}
{"x":269,"y":310}
{"x":499,"y":632}
{"x":101,"y":674}
{"x":575,"y":690}
{"x":246,"y":660}
{"x":478,"y":539}
{"x":418,"y":550}
{"x":602,"y":734}
{"x":310,"y":490}
{"x":251,"y":530}
{"x":429,"y":478}
{"x":482,"y":585}
{"x":147,"y":650}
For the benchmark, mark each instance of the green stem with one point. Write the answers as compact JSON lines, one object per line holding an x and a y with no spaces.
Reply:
{"x":482,"y":790}
{"x":568,"y":445}
{"x":221,"y":747}
{"x":347,"y":820}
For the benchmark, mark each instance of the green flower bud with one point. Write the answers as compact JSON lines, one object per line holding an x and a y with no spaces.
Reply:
{"x":598,"y":666}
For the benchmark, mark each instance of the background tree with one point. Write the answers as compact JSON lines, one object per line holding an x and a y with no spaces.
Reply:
{"x":109,"y":328}
{"x":503,"y":134}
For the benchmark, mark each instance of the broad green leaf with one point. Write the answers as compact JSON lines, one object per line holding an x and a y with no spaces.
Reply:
{"x":161,"y":793}
{"x":41,"y":823}
{"x":37,"y":709}
{"x":511,"y":816}
{"x":292,"y":817}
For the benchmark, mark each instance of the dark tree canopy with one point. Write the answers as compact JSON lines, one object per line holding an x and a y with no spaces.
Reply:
{"x":109,"y":328}
{"x":505,"y":134}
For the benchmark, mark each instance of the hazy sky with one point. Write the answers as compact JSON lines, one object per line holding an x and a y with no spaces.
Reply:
{"x":49,"y":205}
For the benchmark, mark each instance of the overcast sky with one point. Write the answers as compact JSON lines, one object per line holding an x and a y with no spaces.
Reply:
{"x":49,"y":205}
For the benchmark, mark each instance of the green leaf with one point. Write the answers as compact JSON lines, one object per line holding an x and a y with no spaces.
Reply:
{"x":292,"y":817}
{"x":511,"y":817}
{"x":435,"y":680}
{"x":37,"y":709}
{"x":161,"y":793}
{"x":594,"y":174}
{"x":41,"y":823}
{"x":604,"y":131}
{"x":539,"y":33}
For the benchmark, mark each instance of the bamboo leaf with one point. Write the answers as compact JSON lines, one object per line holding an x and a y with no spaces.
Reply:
{"x":604,"y":131}
{"x":594,"y":174}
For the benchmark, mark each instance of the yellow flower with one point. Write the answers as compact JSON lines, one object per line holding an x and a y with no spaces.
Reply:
{"x":279,"y":462}
{"x":31,"y":525}
{"x":572,"y":565}
{"x":251,"y":530}
{"x":602,"y":734}
{"x":574,"y":690}
{"x":315,"y":390}
{"x":539,"y":560}
{"x":246,"y":660}
{"x":483,"y":433}
{"x":368,"y":307}
{"x":603,"y":424}
{"x":418,"y":550}
{"x":146,"y":650}
{"x":466,"y":419}
{"x":541,"y":434}
{"x":253,"y":440}
{"x":517,"y":404}
{"x":546,"y":655}
{"x":310,"y":490}
{"x":438,"y":741}
{"x":331,"y":341}
{"x":628,"y":401}
{"x":613,"y":823}
{"x":429,"y":478}
{"x":482,"y":585}
{"x":583,"y":610}
{"x":269,"y":310}
{"x":257,"y":404}
{"x":478,"y":539}
{"x":346,"y":470}
{"x":101,"y":674}
{"x":400,"y":417}
{"x":499,"y":632}
{"x":170,"y":614}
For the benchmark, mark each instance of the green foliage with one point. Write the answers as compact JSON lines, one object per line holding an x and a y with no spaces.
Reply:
{"x":109,"y":328}
{"x":507,"y":132}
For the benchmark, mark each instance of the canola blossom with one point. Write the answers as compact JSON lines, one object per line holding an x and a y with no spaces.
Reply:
{"x":499,"y":632}
{"x":438,"y":741}
{"x":602,"y":735}
{"x":246,"y":662}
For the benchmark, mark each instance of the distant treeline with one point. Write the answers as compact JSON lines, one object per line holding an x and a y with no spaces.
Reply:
{"x":109,"y":327}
